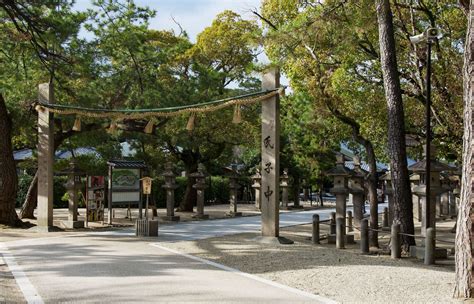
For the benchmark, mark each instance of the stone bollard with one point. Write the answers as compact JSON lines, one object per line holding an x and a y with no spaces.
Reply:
{"x":332,"y":223}
{"x":395,"y":242}
{"x":340,"y":233}
{"x":315,"y":237}
{"x":364,"y":236}
{"x":349,"y":227}
{"x":430,"y":246}
{"x":385,"y":218}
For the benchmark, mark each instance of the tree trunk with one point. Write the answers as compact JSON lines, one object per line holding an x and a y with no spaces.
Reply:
{"x":402,"y":202}
{"x":463,"y":247}
{"x":29,"y":205}
{"x":372,"y":187}
{"x":8,"y":176}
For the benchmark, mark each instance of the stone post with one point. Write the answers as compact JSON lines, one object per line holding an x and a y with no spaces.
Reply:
{"x":72,"y":185}
{"x":45,"y":159}
{"x":233,"y":188}
{"x":284,"y":189}
{"x":170,"y":186}
{"x":200,"y":186}
{"x":271,"y":156}
{"x":257,"y":178}
{"x":356,"y":188}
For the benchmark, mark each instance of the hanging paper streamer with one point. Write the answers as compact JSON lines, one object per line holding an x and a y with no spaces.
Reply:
{"x":77,"y":124}
{"x":191,"y":120}
{"x":149,"y":126}
{"x":237,"y":115}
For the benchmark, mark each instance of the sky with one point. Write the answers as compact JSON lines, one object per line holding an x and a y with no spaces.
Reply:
{"x":192,"y":15}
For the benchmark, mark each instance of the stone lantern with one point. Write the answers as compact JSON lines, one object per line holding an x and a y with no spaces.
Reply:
{"x":340,"y":176}
{"x":284,"y":178}
{"x":357,"y":190}
{"x":200,"y":186}
{"x":233,"y":188}
{"x":257,"y":178}
{"x":454,"y":203}
{"x":170,"y":186}
{"x":387,"y":180}
{"x":442,"y":206}
{"x":414,"y":182}
{"x":428,"y":215}
{"x":73,"y":185}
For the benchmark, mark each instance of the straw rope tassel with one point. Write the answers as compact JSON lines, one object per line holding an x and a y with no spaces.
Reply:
{"x":191,"y":120}
{"x":149,"y":126}
{"x":77,"y":124}
{"x":112,"y":127}
{"x":237,"y":115}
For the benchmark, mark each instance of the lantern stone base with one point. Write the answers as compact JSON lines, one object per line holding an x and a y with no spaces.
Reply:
{"x":279,"y":240}
{"x":73,"y":224}
{"x":170,"y":218}
{"x":419,"y":252}
{"x":349,"y":239}
{"x":233,"y":214}
{"x":201,"y":216}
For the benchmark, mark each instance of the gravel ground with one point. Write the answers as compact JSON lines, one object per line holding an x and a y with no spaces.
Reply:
{"x":342,"y":275}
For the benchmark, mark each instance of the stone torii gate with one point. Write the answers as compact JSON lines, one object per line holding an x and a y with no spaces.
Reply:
{"x":270,"y":183}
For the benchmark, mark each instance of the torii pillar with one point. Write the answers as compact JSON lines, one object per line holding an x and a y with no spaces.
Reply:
{"x":45,"y":159}
{"x":270,"y":184}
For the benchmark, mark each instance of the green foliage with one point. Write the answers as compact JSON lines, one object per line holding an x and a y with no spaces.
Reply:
{"x":24,"y":181}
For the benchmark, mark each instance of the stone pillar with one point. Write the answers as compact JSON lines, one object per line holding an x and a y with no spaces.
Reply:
{"x":284,"y":190}
{"x":257,"y":177}
{"x":72,"y":186}
{"x":271,"y":156}
{"x":170,"y":186}
{"x":233,"y":188}
{"x":200,"y":186}
{"x":45,"y":159}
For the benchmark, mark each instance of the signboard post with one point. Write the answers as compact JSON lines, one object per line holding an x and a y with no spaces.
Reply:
{"x":146,"y":188}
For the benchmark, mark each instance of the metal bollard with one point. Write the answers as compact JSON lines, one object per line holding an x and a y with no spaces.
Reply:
{"x":349,"y":222}
{"x":395,"y":242}
{"x":364,"y":236}
{"x":385,"y":218}
{"x":430,"y":247}
{"x":315,"y":237}
{"x":332,"y":223}
{"x":340,"y":233}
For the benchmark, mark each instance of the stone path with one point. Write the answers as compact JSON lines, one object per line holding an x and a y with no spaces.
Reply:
{"x":198,"y":230}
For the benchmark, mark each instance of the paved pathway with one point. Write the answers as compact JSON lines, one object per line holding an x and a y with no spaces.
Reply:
{"x":198,"y":230}
{"x":116,"y":267}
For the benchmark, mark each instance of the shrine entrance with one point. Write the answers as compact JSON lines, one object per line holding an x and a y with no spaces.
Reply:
{"x":270,"y":142}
